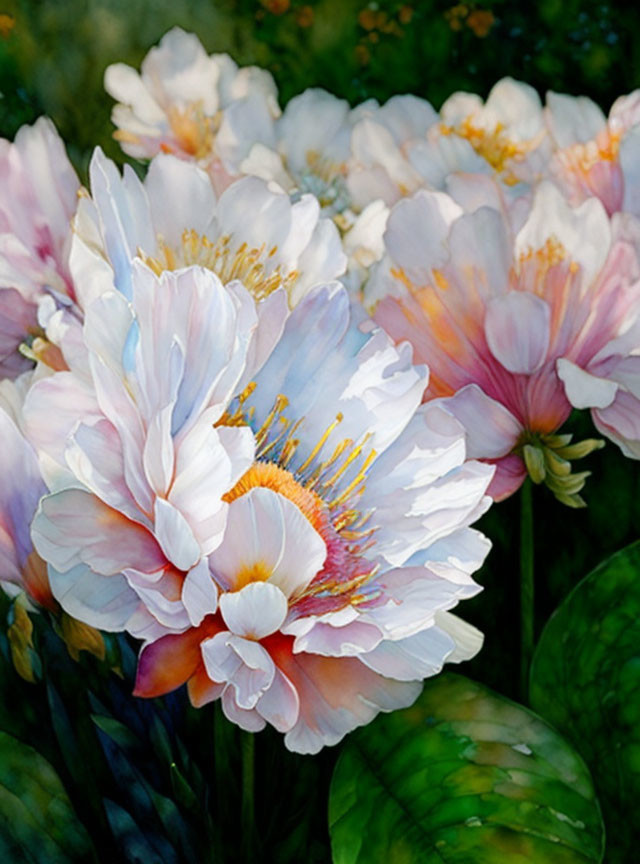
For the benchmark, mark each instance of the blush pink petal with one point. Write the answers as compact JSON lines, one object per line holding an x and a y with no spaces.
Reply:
{"x":336,"y":695}
{"x":517,"y":328}
{"x":74,"y":526}
{"x":491,"y":430}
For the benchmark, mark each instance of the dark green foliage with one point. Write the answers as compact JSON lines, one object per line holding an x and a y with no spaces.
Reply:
{"x":462,"y":776}
{"x":586,"y":680}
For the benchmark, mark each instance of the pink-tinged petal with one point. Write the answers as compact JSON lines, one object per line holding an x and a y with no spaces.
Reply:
{"x":280,"y":705}
{"x":212,"y":327}
{"x":202,"y":689}
{"x":20,"y":490}
{"x":161,"y":594}
{"x":53,"y":409}
{"x":256,"y":611}
{"x":249,"y":720}
{"x":517,"y":328}
{"x":170,"y":661}
{"x":199,"y":593}
{"x":118,"y":406}
{"x":347,"y":640}
{"x":491,"y":430}
{"x":268,"y":536}
{"x":583,"y":389}
{"x":419,"y":251}
{"x":17,"y":320}
{"x":106,"y":602}
{"x":73,"y":527}
{"x":620,"y":421}
{"x":244,"y":665}
{"x":510,"y":474}
{"x":175,"y":536}
{"x":336,"y":695}
{"x":584,"y":232}
{"x":94,"y":454}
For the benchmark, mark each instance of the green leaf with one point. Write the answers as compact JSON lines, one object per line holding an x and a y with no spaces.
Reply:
{"x":585,"y":679}
{"x":37,"y":822}
{"x":464,"y":776}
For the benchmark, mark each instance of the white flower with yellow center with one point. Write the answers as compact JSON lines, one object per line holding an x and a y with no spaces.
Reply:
{"x":291,"y":545}
{"x":251,"y":232}
{"x":198,"y":107}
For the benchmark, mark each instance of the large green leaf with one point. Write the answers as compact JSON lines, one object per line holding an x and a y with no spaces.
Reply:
{"x":37,"y":822}
{"x":586,"y":680}
{"x":465,"y":776}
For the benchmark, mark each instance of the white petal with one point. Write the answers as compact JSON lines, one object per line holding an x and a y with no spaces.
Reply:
{"x":583,"y":389}
{"x":175,"y":536}
{"x":249,"y":720}
{"x":199,"y":593}
{"x":256,"y":611}
{"x":106,"y":602}
{"x":468,"y":639}
{"x":244,"y":664}
{"x":267,"y":534}
{"x":280,"y":705}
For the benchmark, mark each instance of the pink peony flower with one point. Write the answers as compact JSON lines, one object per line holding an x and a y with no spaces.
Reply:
{"x":38,"y":197}
{"x":596,"y":156}
{"x":519,"y":329}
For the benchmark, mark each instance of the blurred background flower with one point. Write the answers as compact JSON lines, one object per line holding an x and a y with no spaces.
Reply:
{"x":53,"y":55}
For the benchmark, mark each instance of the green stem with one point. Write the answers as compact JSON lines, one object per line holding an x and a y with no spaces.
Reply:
{"x":526,"y":587}
{"x":248,"y":805}
{"x":219,"y":749}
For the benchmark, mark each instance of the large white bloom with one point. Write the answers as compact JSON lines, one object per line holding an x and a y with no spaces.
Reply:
{"x":288,"y":536}
{"x":251,"y":232}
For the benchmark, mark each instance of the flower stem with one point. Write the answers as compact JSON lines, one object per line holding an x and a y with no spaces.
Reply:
{"x":247,"y":744}
{"x":526,"y":587}
{"x":219,"y":765}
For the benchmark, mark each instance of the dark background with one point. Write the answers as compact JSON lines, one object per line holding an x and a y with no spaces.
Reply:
{"x":53,"y":52}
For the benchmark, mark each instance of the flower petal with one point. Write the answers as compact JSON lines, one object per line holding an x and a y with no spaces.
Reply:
{"x":255,"y":611}
{"x":517,"y":328}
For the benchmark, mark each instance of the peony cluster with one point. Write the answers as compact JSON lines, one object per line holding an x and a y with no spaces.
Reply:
{"x":253,"y":403}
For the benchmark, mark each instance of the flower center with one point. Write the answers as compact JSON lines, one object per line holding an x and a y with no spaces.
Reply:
{"x":326,"y":180}
{"x":326,"y":491}
{"x":194,"y":130}
{"x":583,"y":157}
{"x":252,"y":266}
{"x":494,"y":146}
